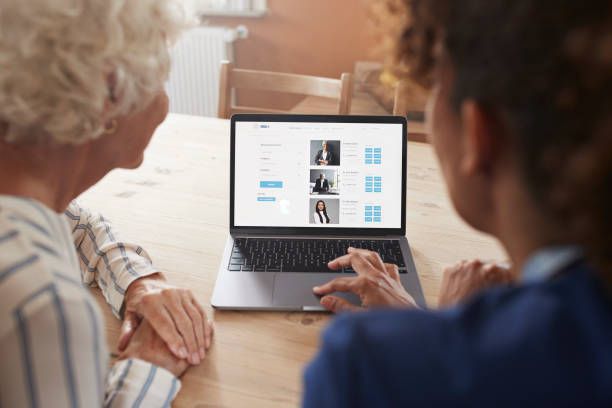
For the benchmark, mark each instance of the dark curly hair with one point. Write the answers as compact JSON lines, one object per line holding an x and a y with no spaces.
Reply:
{"x":545,"y":66}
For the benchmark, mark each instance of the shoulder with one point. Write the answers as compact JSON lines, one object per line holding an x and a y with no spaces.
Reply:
{"x":529,"y":305}
{"x":526,"y":334}
{"x":29,"y":231}
{"x":21,"y":237}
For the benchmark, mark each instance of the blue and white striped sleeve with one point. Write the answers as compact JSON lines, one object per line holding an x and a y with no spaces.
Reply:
{"x":137,"y":383}
{"x":58,"y":358}
{"x":103,"y":259}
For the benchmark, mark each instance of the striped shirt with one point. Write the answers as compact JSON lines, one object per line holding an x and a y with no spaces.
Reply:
{"x":52,"y":344}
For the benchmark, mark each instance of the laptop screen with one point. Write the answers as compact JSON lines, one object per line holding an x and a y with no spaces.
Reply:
{"x":318,"y":174}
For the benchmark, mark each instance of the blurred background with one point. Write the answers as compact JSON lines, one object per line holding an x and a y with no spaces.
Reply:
{"x":322,"y":38}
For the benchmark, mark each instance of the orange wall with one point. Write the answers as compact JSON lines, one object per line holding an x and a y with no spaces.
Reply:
{"x":314,"y":37}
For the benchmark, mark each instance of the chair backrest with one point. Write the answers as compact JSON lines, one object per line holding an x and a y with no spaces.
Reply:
{"x":400,"y":106}
{"x":235,"y":78}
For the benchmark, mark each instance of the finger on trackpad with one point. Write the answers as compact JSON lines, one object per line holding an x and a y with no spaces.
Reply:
{"x":350,"y":297}
{"x":296,"y":289}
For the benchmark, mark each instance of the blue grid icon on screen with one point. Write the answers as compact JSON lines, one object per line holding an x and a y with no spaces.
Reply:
{"x":373,"y":184}
{"x":377,"y":157}
{"x":373,"y":214}
{"x":369,"y":155}
{"x":369,"y":184}
{"x":378,"y":184}
{"x":373,"y":155}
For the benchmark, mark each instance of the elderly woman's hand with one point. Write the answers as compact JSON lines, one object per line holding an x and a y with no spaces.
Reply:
{"x":174,"y":314}
{"x":465,"y":279}
{"x":147,"y":345}
{"x":377,"y":283}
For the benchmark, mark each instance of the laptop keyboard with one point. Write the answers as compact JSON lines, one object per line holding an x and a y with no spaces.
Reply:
{"x":304,"y":255}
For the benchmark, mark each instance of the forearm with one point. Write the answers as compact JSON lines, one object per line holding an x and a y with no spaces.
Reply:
{"x":105,"y":260}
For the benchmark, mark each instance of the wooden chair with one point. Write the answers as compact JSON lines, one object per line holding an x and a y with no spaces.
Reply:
{"x":235,"y":78}
{"x":401,"y":107}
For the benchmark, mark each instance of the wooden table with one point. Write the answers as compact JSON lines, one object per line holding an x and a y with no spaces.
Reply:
{"x":176,"y":206}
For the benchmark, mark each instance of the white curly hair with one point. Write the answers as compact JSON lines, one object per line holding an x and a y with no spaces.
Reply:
{"x":58,"y":57}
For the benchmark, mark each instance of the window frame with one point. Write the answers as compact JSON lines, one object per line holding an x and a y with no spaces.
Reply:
{"x":259,"y":8}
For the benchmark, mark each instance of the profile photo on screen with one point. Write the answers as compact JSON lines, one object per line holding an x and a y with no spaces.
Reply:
{"x":324,"y":181}
{"x":324,"y":211}
{"x":325,"y":152}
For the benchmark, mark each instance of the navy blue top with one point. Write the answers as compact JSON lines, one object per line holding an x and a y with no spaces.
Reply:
{"x":544,"y":343}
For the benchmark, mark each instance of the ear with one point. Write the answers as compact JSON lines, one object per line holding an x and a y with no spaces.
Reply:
{"x":480,"y":139}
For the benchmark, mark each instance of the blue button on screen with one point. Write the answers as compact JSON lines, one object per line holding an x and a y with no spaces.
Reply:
{"x":270,"y":184}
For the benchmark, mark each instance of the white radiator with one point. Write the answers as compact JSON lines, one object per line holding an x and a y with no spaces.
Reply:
{"x":193,"y":86}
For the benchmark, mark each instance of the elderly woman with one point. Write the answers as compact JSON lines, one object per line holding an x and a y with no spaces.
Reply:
{"x":521,"y":120}
{"x":81,"y":92}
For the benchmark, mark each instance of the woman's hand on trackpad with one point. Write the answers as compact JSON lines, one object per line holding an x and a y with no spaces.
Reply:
{"x":377,"y":284}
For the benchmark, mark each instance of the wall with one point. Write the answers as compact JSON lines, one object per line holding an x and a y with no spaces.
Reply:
{"x":314,"y":37}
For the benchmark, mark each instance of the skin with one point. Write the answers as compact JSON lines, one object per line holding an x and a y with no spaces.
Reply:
{"x":55,"y":174}
{"x":467,"y":278}
{"x":148,"y":346}
{"x":174,"y":314}
{"x":482,"y":175}
{"x":377,"y":283}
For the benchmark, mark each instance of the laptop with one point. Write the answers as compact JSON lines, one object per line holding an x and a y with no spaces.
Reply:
{"x":303,"y":188}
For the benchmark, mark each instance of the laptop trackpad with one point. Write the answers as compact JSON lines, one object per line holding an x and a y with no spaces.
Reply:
{"x":295,"y":289}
